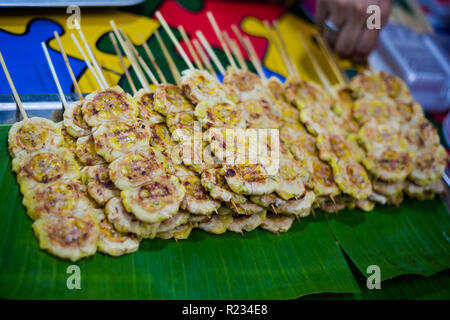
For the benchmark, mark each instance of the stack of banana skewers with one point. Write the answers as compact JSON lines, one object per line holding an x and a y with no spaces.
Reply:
{"x":122,"y":168}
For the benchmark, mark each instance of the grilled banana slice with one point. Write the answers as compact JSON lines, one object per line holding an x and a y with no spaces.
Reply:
{"x":216,"y":224}
{"x":69,"y":237}
{"x":59,"y":198}
{"x":98,"y":183}
{"x":181,"y":232}
{"x":305,"y":94}
{"x":74,"y":122}
{"x":108,"y":105}
{"x":381,"y":135}
{"x":388,"y":164}
{"x":292,"y":176}
{"x":410,"y":111}
{"x":181,"y":218}
{"x":169,"y":98}
{"x":43,"y":167}
{"x":320,"y":120}
{"x":300,"y":207}
{"x":86,"y":152}
{"x":299,"y":142}
{"x":249,"y":179}
{"x":196,"y":199}
{"x":114,"y":243}
{"x":181,"y":125}
{"x":247,"y":84}
{"x":352,"y":178}
{"x":368,"y":84}
{"x":247,"y":208}
{"x":396,"y":88}
{"x":199,"y":85}
{"x":33,"y":134}
{"x":386,"y":188}
{"x":424,"y":192}
{"x":115,"y":139}
{"x":420,"y":135}
{"x":249,"y":223}
{"x":69,"y":142}
{"x":322,"y":178}
{"x":144,"y":100}
{"x":219,"y":114}
{"x":429,"y":165}
{"x":277,"y":223}
{"x":258,"y":114}
{"x":127,"y":222}
{"x":156,"y":200}
{"x":380,"y":110}
{"x":161,"y":138}
{"x":216,"y":184}
{"x":333,"y":147}
{"x":138,"y":167}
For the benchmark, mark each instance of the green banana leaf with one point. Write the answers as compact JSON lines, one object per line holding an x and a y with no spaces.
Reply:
{"x":411,"y":239}
{"x":259,"y":265}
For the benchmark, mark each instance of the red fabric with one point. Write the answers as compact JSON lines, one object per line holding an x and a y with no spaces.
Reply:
{"x":226,"y":13}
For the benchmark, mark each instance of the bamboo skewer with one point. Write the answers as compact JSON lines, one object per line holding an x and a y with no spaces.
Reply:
{"x":92,"y":57}
{"x":88,"y":63}
{"x":339,"y":74}
{"x":139,"y":57}
{"x":13,"y":88}
{"x":69,"y":68}
{"x":286,"y":51}
{"x":235,"y":50}
{"x":210,"y":51}
{"x":130,"y":57}
{"x":219,"y":36}
{"x":280,"y":50}
{"x":174,"y":40}
{"x":172,"y":66}
{"x":152,"y":58}
{"x":316,"y":66}
{"x":55,"y":76}
{"x":186,"y":40}
{"x":125,"y":69}
{"x":255,"y":58}
{"x":247,"y":45}
{"x":203,"y":56}
{"x":284,"y":47}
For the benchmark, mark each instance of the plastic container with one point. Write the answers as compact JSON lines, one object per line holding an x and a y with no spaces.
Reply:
{"x":421,"y":60}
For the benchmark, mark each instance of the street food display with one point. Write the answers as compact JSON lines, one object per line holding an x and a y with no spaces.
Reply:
{"x":123,"y":168}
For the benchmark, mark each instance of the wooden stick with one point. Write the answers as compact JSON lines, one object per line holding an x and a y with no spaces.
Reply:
{"x":316,"y":66}
{"x":235,"y":50}
{"x":92,"y":57}
{"x":210,"y":51}
{"x":55,"y":76}
{"x":69,"y":68}
{"x":172,"y":66}
{"x":219,"y":36}
{"x":86,"y":60}
{"x":255,"y":58}
{"x":152,"y":58}
{"x":280,"y":50}
{"x":174,"y":40}
{"x":203,"y":56}
{"x":186,"y":40}
{"x":139,"y":57}
{"x":284,"y":46}
{"x":125,"y":69}
{"x":130,"y":57}
{"x":339,"y":74}
{"x":13,"y":88}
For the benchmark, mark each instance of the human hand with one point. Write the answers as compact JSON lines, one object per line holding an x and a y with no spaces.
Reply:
{"x":351,"y":38}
